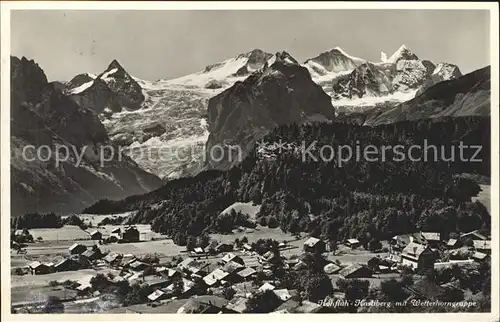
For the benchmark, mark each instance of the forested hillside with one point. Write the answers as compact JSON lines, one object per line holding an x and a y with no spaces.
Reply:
{"x":359,"y":198}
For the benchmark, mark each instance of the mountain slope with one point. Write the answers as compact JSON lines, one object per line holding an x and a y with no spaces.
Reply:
{"x":44,"y":119}
{"x":282,"y":93}
{"x":468,"y":95}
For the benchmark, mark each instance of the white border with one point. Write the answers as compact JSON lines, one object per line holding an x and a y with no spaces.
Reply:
{"x":6,"y":7}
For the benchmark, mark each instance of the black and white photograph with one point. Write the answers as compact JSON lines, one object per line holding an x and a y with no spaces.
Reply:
{"x":158,"y":158}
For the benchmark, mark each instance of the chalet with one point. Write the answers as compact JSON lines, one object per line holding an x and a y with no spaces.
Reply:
{"x":67,"y":264}
{"x":431,"y":238}
{"x":113,"y":258}
{"x":83,"y":290}
{"x":192,"y":266}
{"x":157,"y":295}
{"x":130,"y":235}
{"x":247,"y":273}
{"x":158,"y":283}
{"x":331,"y":268}
{"x":199,"y":250}
{"x":237,"y":305}
{"x":232,"y":267}
{"x":91,"y":255}
{"x":247,"y":247}
{"x":474,"y":235}
{"x":268,"y":256}
{"x":138,"y":266}
{"x":483,"y":246}
{"x":214,"y":277}
{"x":37,"y":268}
{"x":266,"y":287}
{"x":223,"y":248}
{"x":95,"y":235}
{"x":116,"y":233}
{"x":453,"y":243}
{"x":167,"y":272}
{"x":77,"y":249}
{"x":355,"y":271}
{"x":314,"y":245}
{"x":399,"y":242}
{"x":231,"y":257}
{"x":353,"y":243}
{"x":186,"y":290}
{"x":418,"y":257}
{"x":480,"y":257}
{"x":283,"y":294}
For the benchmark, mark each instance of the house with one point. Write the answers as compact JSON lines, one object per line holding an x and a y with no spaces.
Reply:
{"x":418,"y":257}
{"x":231,"y":257}
{"x":483,"y":246}
{"x":266,"y":287}
{"x":199,"y":250}
{"x":431,"y":238}
{"x":379,"y":264}
{"x":223,"y":248}
{"x":232,"y":267}
{"x":116,"y":233}
{"x":192,"y":266}
{"x":353,"y":243}
{"x":247,"y":247}
{"x":95,"y":235}
{"x":401,"y":241}
{"x":283,"y":294}
{"x":237,"y":305}
{"x":247,"y":273}
{"x":37,"y":268}
{"x":186,"y":290}
{"x":197,"y":306}
{"x":67,"y":264}
{"x":138,"y":266}
{"x":158,"y":283}
{"x":331,"y":268}
{"x":77,"y":249}
{"x":91,"y":255}
{"x":130,"y":235}
{"x":157,"y":295}
{"x":356,"y":271}
{"x":479,"y":257}
{"x":426,"y":290}
{"x":474,"y":235}
{"x":453,"y":243}
{"x":215,"y":276}
{"x":113,"y":258}
{"x":314,"y":245}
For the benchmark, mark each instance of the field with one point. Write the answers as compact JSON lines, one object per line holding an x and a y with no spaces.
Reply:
{"x":247,"y":208}
{"x":63,"y":233}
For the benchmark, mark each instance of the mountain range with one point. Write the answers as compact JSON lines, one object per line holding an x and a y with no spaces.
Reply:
{"x":167,"y":126}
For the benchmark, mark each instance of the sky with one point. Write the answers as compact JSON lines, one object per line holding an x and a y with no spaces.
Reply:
{"x":167,"y":44}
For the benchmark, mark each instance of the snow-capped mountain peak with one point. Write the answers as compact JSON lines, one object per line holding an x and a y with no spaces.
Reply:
{"x":357,"y":60}
{"x":402,"y":53}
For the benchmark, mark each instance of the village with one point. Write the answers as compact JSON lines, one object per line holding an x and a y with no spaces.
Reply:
{"x":226,"y":277}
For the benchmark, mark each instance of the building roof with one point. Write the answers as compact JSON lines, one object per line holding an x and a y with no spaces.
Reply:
{"x":186,"y":262}
{"x":311,"y":242}
{"x":231,"y":267}
{"x":187,"y":285}
{"x":413,"y":250}
{"x":157,"y":282}
{"x":215,"y":276}
{"x":331,"y":268}
{"x":116,"y":230}
{"x":93,"y":232}
{"x":229,"y":257}
{"x":431,"y":236}
{"x":351,"y":269}
{"x":266,"y":286}
{"x":283,"y":294}
{"x":75,"y":245}
{"x":137,"y":264}
{"x":35,"y":264}
{"x":62,"y":261}
{"x":199,"y":250}
{"x":248,"y":271}
{"x":451,"y":242}
{"x":482,"y":244}
{"x":88,"y":253}
{"x":479,"y":255}
{"x":156,"y":295}
{"x":247,"y":246}
{"x":237,"y":304}
{"x":353,"y":241}
{"x":112,"y":257}
{"x":474,"y":233}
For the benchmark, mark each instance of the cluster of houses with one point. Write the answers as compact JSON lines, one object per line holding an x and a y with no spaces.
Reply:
{"x":419,"y":251}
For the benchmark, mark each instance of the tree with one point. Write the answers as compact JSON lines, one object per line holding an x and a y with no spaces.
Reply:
{"x":53,"y":305}
{"x":228,"y":293}
{"x":263,"y":302}
{"x":374,"y":245}
{"x":191,"y":243}
{"x":178,"y":288}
